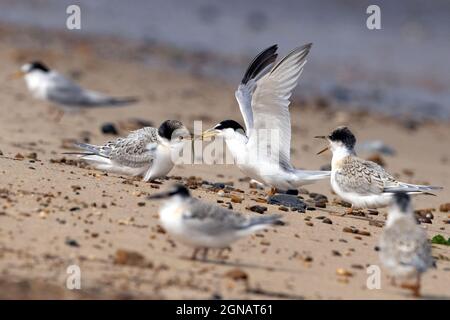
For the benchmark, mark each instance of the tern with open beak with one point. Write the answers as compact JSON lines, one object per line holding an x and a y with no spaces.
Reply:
{"x":362,"y":183}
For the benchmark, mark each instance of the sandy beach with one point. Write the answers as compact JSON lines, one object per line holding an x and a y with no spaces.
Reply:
{"x":56,"y":212}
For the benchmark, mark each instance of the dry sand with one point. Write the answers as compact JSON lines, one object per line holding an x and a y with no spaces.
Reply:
{"x":55,"y":214}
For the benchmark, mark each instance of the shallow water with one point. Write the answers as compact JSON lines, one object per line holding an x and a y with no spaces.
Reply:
{"x":401,"y":69}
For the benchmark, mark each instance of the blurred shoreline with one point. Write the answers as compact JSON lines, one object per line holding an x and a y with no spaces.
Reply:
{"x":396,"y":71}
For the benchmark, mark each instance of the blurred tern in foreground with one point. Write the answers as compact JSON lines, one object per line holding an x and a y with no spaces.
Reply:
{"x":203,"y":225}
{"x":263,"y":98}
{"x":49,"y":85}
{"x":362,"y":183}
{"x":147,"y":152}
{"x":404,"y":249}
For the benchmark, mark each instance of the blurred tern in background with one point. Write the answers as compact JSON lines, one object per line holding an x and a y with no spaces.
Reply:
{"x":49,"y":85}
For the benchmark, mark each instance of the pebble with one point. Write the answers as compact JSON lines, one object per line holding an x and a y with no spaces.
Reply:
{"x":1,"y":153}
{"x":258,"y":209}
{"x":310,"y":224}
{"x":287,"y":200}
{"x":72,"y":243}
{"x":236,"y":199}
{"x":357,"y":231}
{"x":221,"y":193}
{"x":130,"y":258}
{"x":237,"y":274}
{"x":445,"y":207}
{"x":327,"y":220}
{"x":109,"y":128}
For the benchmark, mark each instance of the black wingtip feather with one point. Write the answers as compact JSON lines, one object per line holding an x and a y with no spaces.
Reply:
{"x":262,"y":60}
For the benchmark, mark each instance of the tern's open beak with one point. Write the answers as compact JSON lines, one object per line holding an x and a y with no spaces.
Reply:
{"x":210,"y":133}
{"x":16,"y":75}
{"x":322,"y":151}
{"x":327,"y":148}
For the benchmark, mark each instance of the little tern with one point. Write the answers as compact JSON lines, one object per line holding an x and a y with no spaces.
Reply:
{"x":147,"y":152}
{"x":50,"y":85}
{"x":404,"y":249}
{"x":203,"y":225}
{"x":362,"y":183}
{"x":264,"y":97}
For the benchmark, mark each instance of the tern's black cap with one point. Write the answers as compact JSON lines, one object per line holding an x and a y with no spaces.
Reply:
{"x":344,"y":135}
{"x":229,"y":124}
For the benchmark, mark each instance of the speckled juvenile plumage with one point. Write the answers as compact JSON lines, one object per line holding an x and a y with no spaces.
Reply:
{"x":364,"y":177}
{"x":148,"y":152}
{"x":362,"y":183}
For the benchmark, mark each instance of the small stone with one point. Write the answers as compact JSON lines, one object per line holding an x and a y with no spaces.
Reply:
{"x":237,"y":275}
{"x":310,"y":224}
{"x":287,"y":200}
{"x":72,"y":243}
{"x":236,"y":199}
{"x":327,"y":220}
{"x":109,"y":128}
{"x":336,"y":253}
{"x":141,"y":204}
{"x":377,"y":159}
{"x":258,"y":209}
{"x":445,"y":207}
{"x":19,"y":156}
{"x":130,"y":258}
{"x":32,"y":155}
{"x":283,"y":208}
{"x":221,"y":193}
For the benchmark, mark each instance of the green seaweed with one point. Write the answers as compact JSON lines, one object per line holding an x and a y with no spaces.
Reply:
{"x":439,"y":239}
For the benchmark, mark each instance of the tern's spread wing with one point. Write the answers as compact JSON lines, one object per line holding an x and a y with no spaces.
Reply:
{"x":257,"y":69}
{"x":270,"y":105}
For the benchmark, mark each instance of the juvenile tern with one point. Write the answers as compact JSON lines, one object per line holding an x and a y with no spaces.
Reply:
{"x":147,"y":152}
{"x":404,"y":249}
{"x":362,"y":183}
{"x":203,"y":225}
{"x":49,"y":85}
{"x":263,"y":98}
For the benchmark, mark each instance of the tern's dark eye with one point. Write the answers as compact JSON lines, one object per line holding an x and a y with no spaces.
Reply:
{"x":181,"y":138}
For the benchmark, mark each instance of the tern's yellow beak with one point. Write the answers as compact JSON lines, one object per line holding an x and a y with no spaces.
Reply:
{"x":16,"y":75}
{"x":210,"y":133}
{"x":327,"y":148}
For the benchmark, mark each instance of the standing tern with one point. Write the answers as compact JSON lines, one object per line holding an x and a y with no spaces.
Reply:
{"x":264,"y":97}
{"x":49,"y":85}
{"x":362,"y":183}
{"x":203,"y":225}
{"x":404,"y":249}
{"x":147,"y":152}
